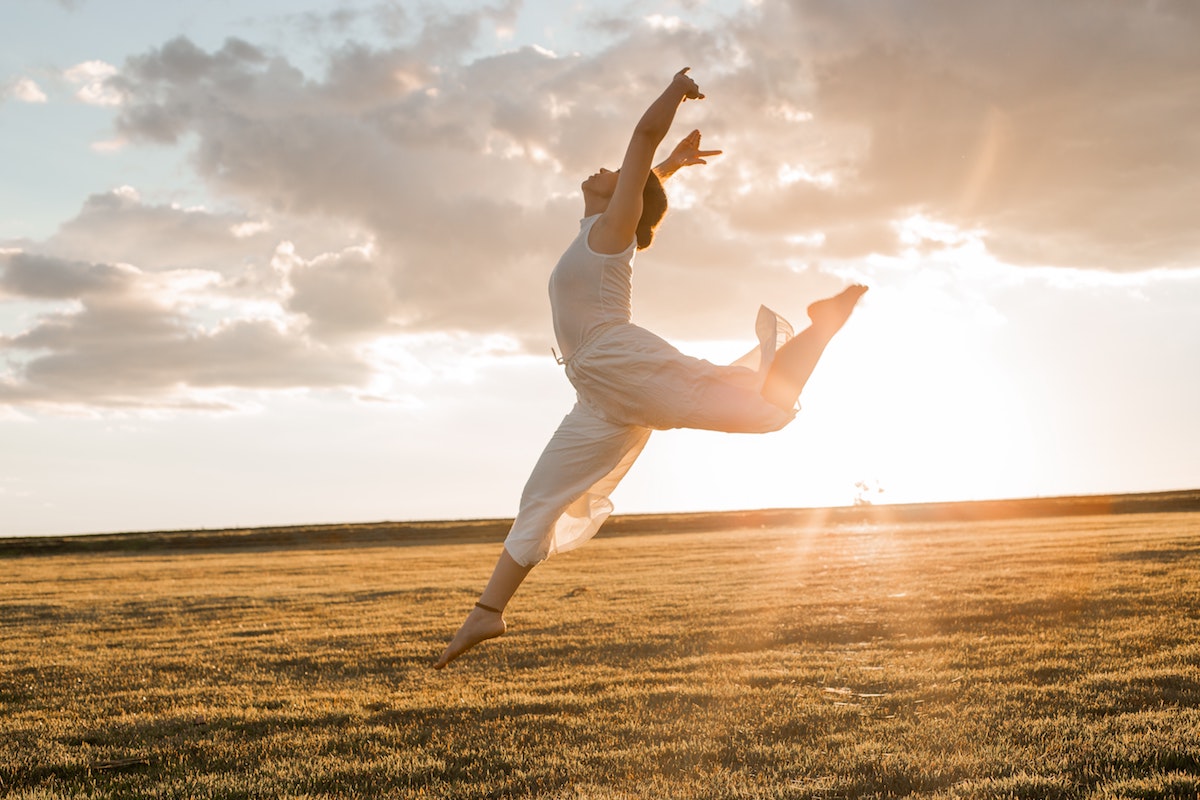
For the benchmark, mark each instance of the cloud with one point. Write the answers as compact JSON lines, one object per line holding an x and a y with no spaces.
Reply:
{"x":447,"y":173}
{"x":124,"y":338}
{"x":119,"y":226}
{"x":975,"y":117}
{"x":341,"y":294}
{"x":96,"y":87}
{"x":428,"y":186}
{"x":42,"y":278}
{"x":24,"y":90}
{"x":1000,"y":118}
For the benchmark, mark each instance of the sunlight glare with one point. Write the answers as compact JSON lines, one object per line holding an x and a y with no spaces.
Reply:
{"x":912,"y":399}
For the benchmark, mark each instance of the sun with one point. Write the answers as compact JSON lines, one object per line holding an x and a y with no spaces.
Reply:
{"x":921,"y":379}
{"x":917,"y":396}
{"x":928,"y":414}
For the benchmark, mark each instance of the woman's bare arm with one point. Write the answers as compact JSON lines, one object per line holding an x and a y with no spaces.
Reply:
{"x":617,"y":226}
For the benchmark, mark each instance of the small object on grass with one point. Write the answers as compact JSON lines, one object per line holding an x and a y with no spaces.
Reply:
{"x":122,"y":763}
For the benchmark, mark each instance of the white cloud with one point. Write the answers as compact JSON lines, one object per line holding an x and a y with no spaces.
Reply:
{"x":663,"y":22}
{"x":25,"y":90}
{"x":244,"y":230}
{"x":95,"y":86}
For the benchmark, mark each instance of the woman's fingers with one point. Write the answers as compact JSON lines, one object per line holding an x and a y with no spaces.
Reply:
{"x":690,"y":90}
{"x":689,"y":152}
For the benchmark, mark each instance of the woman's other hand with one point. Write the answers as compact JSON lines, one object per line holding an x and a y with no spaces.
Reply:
{"x":688,"y":153}
{"x":690,"y":90}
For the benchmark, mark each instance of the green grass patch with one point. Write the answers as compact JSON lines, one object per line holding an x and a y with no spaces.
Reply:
{"x":1053,"y":658}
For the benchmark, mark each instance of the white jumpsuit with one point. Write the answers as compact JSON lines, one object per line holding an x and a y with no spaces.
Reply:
{"x":628,"y":382}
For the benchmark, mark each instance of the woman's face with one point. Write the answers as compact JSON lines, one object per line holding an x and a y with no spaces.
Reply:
{"x":602,"y":183}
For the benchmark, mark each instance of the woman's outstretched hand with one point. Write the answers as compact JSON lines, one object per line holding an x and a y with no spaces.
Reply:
{"x":690,"y":90}
{"x":687,"y":153}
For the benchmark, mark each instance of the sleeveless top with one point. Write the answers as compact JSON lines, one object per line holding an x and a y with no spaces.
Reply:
{"x":589,"y":289}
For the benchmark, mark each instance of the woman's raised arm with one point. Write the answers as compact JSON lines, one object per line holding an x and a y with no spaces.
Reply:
{"x":617,"y":225}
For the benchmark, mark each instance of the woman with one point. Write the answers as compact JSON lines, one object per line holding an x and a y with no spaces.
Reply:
{"x":628,"y":380}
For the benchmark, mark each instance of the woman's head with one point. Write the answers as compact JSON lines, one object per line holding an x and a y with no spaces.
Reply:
{"x":601,"y":185}
{"x":654,"y":208}
{"x":598,"y":191}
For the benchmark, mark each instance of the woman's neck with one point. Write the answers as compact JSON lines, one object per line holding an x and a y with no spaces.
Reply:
{"x":593,"y":205}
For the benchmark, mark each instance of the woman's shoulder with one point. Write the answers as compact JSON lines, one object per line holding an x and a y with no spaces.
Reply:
{"x":585,"y":231}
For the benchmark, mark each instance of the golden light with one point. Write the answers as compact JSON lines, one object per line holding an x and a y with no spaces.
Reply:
{"x":911,"y":397}
{"x":917,"y":374}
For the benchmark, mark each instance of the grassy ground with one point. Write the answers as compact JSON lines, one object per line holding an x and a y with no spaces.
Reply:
{"x":1039,"y":659}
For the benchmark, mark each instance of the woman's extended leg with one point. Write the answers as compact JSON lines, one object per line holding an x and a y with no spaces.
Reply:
{"x":487,"y":623}
{"x":795,"y":361}
{"x":563,"y":504}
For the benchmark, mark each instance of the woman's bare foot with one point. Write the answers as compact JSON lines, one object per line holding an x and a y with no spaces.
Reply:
{"x":479,"y":626}
{"x":830,"y":314}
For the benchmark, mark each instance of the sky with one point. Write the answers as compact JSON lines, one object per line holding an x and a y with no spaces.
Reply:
{"x":269,"y":262}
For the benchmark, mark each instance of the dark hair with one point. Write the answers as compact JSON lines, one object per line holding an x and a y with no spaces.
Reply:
{"x":654,"y":208}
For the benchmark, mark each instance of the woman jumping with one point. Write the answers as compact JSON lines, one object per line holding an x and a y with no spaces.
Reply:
{"x":629,"y":381}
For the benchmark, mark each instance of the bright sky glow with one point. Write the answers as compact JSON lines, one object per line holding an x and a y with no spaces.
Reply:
{"x":284,"y":261}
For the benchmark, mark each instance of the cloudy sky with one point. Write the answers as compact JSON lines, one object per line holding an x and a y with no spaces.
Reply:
{"x":282,"y":261}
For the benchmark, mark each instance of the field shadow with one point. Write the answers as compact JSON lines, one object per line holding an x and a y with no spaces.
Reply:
{"x":1130,"y":694}
{"x":23,"y":613}
{"x":174,"y":743}
{"x":1166,"y":555}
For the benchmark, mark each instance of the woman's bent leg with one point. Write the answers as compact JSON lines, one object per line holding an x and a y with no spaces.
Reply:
{"x":796,"y":360}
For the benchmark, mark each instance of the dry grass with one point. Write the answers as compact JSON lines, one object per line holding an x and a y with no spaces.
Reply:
{"x":1033,"y":659}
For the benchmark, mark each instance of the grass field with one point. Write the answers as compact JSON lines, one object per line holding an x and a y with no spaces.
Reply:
{"x":1053,"y":658}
